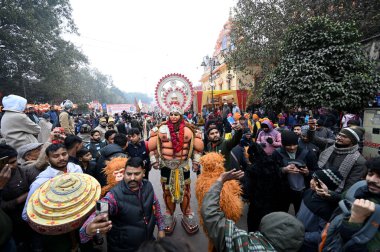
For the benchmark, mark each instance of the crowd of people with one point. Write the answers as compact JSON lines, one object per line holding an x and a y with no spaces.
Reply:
{"x":295,"y":170}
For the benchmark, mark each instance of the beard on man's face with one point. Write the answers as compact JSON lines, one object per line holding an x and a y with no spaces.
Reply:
{"x":342,"y":145}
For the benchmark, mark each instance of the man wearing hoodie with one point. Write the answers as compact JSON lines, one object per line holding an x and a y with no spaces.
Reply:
{"x":278,"y":231}
{"x":268,"y":138}
{"x":16,"y":127}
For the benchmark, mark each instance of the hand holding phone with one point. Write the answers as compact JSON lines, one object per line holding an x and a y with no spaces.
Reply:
{"x":5,"y":175}
{"x":269,"y":140}
{"x":102,"y":208}
{"x":3,"y":161}
{"x":231,"y":120}
{"x":318,"y":184}
{"x":100,"y":224}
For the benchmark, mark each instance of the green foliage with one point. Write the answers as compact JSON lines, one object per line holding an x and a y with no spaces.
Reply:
{"x":365,"y":13}
{"x":259,"y":26}
{"x":37,"y":63}
{"x":322,"y":65}
{"x":258,"y":30}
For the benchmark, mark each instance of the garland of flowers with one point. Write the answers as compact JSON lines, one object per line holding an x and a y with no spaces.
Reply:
{"x":177,"y":141}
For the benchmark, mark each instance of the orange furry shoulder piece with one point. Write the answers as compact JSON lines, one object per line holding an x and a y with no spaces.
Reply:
{"x":230,"y":200}
{"x":114,"y":172}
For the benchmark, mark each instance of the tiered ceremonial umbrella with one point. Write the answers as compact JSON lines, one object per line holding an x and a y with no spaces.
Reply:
{"x":63,"y":203}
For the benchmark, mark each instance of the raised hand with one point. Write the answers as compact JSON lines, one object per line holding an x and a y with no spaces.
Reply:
{"x":361,"y":209}
{"x":230,"y":175}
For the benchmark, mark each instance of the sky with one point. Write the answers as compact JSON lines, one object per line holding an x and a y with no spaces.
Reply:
{"x":138,"y":42}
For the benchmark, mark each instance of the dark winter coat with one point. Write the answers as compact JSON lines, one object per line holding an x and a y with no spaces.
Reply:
{"x":224,"y":147}
{"x":135,"y":220}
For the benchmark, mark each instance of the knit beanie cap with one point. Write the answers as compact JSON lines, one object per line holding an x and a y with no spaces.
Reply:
{"x":23,"y":150}
{"x":289,"y":138}
{"x":331,"y":178}
{"x":353,"y":133}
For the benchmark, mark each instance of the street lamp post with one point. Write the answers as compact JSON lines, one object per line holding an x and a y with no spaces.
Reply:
{"x":229,"y":78}
{"x":212,"y":63}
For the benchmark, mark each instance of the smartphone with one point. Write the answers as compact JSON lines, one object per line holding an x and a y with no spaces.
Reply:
{"x":318,"y":184}
{"x":231,"y":120}
{"x":101,"y":208}
{"x":3,"y":162}
{"x":300,"y":167}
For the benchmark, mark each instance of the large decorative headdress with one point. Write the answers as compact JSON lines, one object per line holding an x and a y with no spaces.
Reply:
{"x":174,"y":93}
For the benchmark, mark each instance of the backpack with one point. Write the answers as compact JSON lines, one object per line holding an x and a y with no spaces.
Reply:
{"x":331,"y":239}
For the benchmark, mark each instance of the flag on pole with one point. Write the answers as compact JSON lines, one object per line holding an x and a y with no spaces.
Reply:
{"x":140,"y":105}
{"x":138,"y":109}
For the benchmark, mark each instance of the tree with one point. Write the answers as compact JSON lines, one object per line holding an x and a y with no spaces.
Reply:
{"x":364,"y":13}
{"x":259,"y":26}
{"x":37,"y":63}
{"x":30,"y":37}
{"x":322,"y":65}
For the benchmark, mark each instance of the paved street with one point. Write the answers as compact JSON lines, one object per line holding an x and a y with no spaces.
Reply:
{"x":198,"y":240}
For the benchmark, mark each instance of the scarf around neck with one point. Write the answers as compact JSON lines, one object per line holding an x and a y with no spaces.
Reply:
{"x":352,"y":154}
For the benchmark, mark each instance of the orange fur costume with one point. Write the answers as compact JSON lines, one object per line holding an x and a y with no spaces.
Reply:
{"x":230,"y":201}
{"x":114,"y":165}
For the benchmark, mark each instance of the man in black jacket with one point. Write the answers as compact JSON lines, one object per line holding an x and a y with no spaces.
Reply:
{"x":124,"y":126}
{"x":297,"y":166}
{"x":133,"y":212}
{"x":223,"y":146}
{"x":95,"y":144}
{"x":137,"y":148}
